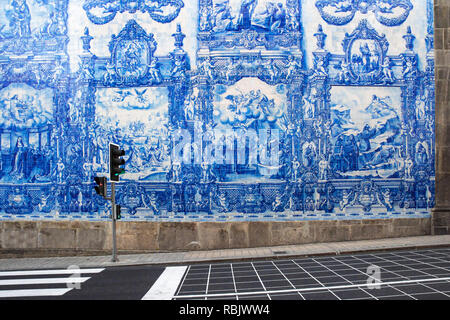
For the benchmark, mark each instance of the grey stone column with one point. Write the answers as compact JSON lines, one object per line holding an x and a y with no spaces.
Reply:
{"x":441,"y":211}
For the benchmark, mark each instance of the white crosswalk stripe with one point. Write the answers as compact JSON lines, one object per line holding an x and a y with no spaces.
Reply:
{"x":164,"y":288}
{"x":49,"y":272}
{"x":33,"y":293}
{"x":60,"y":280}
{"x":42,"y":281}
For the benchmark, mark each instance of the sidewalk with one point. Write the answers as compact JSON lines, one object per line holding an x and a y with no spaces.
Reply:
{"x":334,"y":248}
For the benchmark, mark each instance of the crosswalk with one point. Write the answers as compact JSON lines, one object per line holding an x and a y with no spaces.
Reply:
{"x":43,"y":283}
{"x":164,"y":288}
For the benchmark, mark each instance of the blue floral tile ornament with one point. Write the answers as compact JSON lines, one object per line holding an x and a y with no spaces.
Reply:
{"x":102,"y":12}
{"x":388,"y":12}
{"x":261,"y":110}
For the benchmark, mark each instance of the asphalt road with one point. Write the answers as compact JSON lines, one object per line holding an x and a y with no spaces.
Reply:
{"x":412,"y":275}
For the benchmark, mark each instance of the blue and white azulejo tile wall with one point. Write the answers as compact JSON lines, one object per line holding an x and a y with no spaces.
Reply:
{"x":228,"y":110}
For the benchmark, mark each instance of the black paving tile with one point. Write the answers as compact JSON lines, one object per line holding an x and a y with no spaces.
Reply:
{"x":431,"y":296}
{"x":222,"y":298}
{"x":344,"y":268}
{"x":309,"y":266}
{"x":297,"y":276}
{"x":290,"y":296}
{"x":224,"y":288}
{"x":277,"y":284}
{"x":220,"y":268}
{"x":413,"y":288}
{"x":189,"y":282}
{"x":404,"y":297}
{"x":442,"y":264}
{"x":251,"y":286}
{"x":196,"y":276}
{"x":419,"y":277}
{"x":326,"y":295}
{"x":349,"y":261}
{"x":269,"y":273}
{"x":290,"y":269}
{"x":204,"y":268}
{"x":272,"y":278}
{"x":395,"y":268}
{"x":436,"y":272}
{"x":238,"y":267}
{"x":316,"y":269}
{"x":347,"y":294}
{"x":191,"y":292}
{"x":411,"y":273}
{"x":254,"y":297}
{"x":244,"y":273}
{"x":352,"y":273}
{"x":306,"y":283}
{"x":356,"y":278}
{"x":215,"y":280}
{"x":197,"y":289}
{"x":287,"y":272}
{"x":443,"y":286}
{"x":390,"y":275}
{"x":384,"y":292}
{"x":246,"y":279}
{"x":331,"y":282}
{"x":435,"y":255}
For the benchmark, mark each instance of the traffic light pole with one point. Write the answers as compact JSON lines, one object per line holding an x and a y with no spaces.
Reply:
{"x":114,"y":218}
{"x":115,"y":161}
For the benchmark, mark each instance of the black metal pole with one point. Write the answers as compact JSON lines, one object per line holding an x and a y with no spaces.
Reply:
{"x":114,"y":218}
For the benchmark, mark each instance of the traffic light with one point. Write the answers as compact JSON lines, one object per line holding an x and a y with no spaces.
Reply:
{"x":102,"y":187}
{"x":115,"y":161}
{"x":118,"y":214}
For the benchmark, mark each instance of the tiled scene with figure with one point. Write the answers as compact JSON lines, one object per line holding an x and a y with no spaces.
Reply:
{"x":228,"y":110}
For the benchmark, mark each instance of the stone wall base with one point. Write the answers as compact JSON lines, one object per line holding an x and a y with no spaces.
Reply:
{"x":440,"y":223}
{"x":173,"y":236}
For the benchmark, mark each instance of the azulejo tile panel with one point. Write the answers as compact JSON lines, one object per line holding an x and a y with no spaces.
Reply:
{"x":228,"y":110}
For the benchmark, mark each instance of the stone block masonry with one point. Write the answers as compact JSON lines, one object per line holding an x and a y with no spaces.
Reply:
{"x":441,"y":212}
{"x":160,"y":236}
